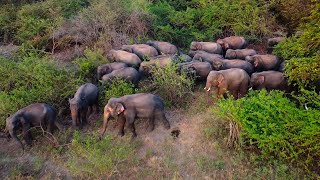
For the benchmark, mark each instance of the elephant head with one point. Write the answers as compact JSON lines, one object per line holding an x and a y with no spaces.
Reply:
{"x":12,"y":124}
{"x":217,"y":65}
{"x":127,"y":48}
{"x":111,"y":55}
{"x":215,"y":80}
{"x":195,"y":46}
{"x":249,"y":59}
{"x":76,"y":106}
{"x":256,"y":80}
{"x":102,"y":70}
{"x":223,"y":44}
{"x":114,"y":108}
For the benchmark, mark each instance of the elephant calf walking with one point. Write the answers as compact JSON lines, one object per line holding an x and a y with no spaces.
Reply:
{"x":130,"y":107}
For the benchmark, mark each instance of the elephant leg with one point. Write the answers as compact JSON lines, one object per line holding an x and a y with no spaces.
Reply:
{"x":221,"y":92}
{"x":243,"y":89}
{"x":151,"y":124}
{"x":235,"y":94}
{"x":26,"y":133}
{"x":51,"y":127}
{"x":84,"y":117}
{"x":164,"y":119}
{"x":121,"y":122}
{"x":132,"y":129}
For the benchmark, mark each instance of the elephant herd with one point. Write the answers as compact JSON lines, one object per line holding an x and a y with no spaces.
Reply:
{"x":226,"y":65}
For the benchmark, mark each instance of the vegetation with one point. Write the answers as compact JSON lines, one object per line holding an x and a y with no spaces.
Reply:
{"x":275,"y":125}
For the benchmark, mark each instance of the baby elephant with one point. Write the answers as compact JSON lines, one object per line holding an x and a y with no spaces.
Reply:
{"x":164,"y":47}
{"x":234,"y":80}
{"x":268,"y":80}
{"x":130,"y":107}
{"x":86,"y":97}
{"x":128,"y":74}
{"x":264,"y":62}
{"x":234,"y":63}
{"x":130,"y":59}
{"x":209,"y":47}
{"x":38,"y":114}
{"x":108,"y":68}
{"x":233,"y":42}
{"x":141,"y":50}
{"x":239,"y":53}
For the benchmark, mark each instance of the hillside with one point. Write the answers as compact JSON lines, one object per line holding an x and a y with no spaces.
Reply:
{"x":255,"y":130}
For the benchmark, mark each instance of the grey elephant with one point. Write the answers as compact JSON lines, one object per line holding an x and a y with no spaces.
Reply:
{"x":232,"y":42}
{"x":130,"y":107}
{"x":85,"y":101}
{"x":207,"y":57}
{"x":143,"y":51}
{"x":162,"y":60}
{"x":239,"y":53}
{"x":264,"y":62}
{"x":233,"y":63}
{"x":108,"y":68}
{"x":34,"y":115}
{"x":128,"y":58}
{"x":269,"y":80}
{"x":128,"y":74}
{"x":273,"y":42}
{"x":199,"y":70}
{"x":164,"y":47}
{"x":209,"y":47}
{"x":234,"y":80}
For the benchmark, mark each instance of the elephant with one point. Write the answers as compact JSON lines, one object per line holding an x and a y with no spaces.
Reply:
{"x":129,"y":107}
{"x":87,"y":96}
{"x":130,"y":59}
{"x":234,"y":80}
{"x":35,"y":115}
{"x":141,"y":50}
{"x":165,"y":48}
{"x":197,"y":68}
{"x":273,"y":42}
{"x":268,"y":80}
{"x":207,"y":57}
{"x":162,"y":60}
{"x":239,"y":53}
{"x":232,"y":42}
{"x":233,"y":63}
{"x":129,"y":74}
{"x":108,"y":68}
{"x":264,"y":62}
{"x":209,"y":47}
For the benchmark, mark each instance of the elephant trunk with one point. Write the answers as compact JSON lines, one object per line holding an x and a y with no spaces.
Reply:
{"x":13,"y":134}
{"x":106,"y":116}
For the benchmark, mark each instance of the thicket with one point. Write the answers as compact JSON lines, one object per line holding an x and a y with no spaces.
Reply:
{"x":34,"y":79}
{"x":181,"y":22}
{"x":276,"y":126}
{"x":302,"y":52}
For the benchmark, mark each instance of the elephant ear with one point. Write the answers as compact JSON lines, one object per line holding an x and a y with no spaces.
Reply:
{"x":119,"y":108}
{"x":220,"y":80}
{"x":198,"y":46}
{"x":261,"y":79}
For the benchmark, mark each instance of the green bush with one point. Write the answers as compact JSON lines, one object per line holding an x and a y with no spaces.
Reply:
{"x":32,"y":80}
{"x":89,"y":158}
{"x":88,"y":65}
{"x":276,"y":126}
{"x":302,"y":52}
{"x":173,"y":87}
{"x":207,"y":20}
{"x":117,"y":88}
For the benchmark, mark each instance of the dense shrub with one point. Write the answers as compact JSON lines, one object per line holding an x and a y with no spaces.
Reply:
{"x":302,"y":52}
{"x":208,"y":20}
{"x":89,"y":158}
{"x":173,"y":87}
{"x":32,"y":80}
{"x":276,"y":126}
{"x":117,"y":88}
{"x":88,"y":64}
